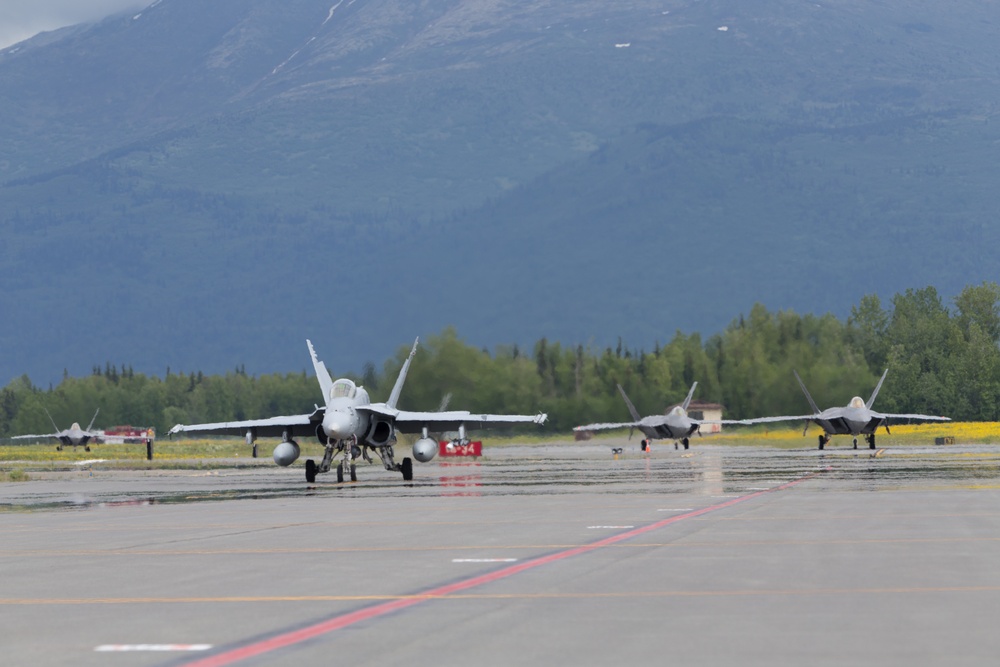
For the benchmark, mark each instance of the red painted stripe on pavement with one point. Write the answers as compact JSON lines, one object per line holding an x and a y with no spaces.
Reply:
{"x":293,"y":637}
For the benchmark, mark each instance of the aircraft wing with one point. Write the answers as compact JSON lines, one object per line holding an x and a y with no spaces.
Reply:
{"x":605,"y":426}
{"x":271,"y":427}
{"x":932,"y":418}
{"x":767,"y":420}
{"x":40,"y":435}
{"x":722,"y":421}
{"x":406,"y":421}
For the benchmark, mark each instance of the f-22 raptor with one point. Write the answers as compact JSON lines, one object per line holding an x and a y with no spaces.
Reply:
{"x":74,"y":436}
{"x":676,"y":425}
{"x":857,"y":418}
{"x":350,"y":425}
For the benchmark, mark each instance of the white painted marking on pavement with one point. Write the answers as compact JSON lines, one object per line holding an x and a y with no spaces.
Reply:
{"x":483,"y":560}
{"x":677,"y":509}
{"x":152,"y":647}
{"x":613,"y":527}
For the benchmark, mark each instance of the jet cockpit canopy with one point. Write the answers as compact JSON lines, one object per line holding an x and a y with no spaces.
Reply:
{"x":343,"y":388}
{"x":856,"y":402}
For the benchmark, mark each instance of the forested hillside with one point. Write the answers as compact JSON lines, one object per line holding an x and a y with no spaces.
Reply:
{"x":942,"y":359}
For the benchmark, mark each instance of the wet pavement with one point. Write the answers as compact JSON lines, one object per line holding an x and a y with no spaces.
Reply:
{"x":531,"y":555}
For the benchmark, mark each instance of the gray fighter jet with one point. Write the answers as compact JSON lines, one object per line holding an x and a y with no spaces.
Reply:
{"x":675,"y":425}
{"x":857,"y":418}
{"x":74,"y":436}
{"x":350,"y":425}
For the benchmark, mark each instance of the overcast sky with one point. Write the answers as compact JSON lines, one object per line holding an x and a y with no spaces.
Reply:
{"x":20,"y":19}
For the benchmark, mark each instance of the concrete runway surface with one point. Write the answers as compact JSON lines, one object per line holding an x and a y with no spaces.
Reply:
{"x":540,"y":555}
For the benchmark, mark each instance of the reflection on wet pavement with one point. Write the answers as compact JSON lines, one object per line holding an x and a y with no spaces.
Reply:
{"x":532,"y":470}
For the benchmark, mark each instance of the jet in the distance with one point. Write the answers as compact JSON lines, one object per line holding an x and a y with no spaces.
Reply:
{"x":350,"y":425}
{"x":676,"y":425}
{"x":74,"y":436}
{"x":857,"y":418}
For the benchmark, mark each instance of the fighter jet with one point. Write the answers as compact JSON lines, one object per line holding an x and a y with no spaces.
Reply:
{"x":675,"y":425}
{"x":350,"y":425}
{"x":857,"y":418}
{"x":74,"y":436}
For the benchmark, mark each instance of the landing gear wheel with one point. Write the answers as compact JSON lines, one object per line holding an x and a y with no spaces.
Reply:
{"x":255,"y":450}
{"x":822,"y":441}
{"x":354,"y":475}
{"x":642,"y":445}
{"x":855,"y":443}
{"x":686,"y":443}
{"x":340,"y":472}
{"x":871,"y":441}
{"x":407,"y":469}
{"x":310,"y":471}
{"x":59,"y":448}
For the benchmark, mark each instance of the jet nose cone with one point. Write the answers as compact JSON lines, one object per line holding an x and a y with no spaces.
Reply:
{"x":334,"y":429}
{"x":340,"y":424}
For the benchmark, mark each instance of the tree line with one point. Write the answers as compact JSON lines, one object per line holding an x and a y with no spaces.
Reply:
{"x":942,"y":359}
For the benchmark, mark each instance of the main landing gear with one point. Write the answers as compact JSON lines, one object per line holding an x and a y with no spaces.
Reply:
{"x":823,"y":439}
{"x":351,"y":452}
{"x":869,"y":438}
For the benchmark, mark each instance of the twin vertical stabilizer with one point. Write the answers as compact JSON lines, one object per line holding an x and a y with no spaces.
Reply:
{"x":398,"y":387}
{"x":323,"y":375}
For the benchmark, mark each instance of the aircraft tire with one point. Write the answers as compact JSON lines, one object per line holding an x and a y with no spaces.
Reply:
{"x":855,"y":443}
{"x":255,"y":450}
{"x":407,"y":469}
{"x":686,"y":443}
{"x":642,"y":445}
{"x":354,"y":473}
{"x":310,"y":471}
{"x":871,"y":441}
{"x":822,"y":441}
{"x":340,"y":472}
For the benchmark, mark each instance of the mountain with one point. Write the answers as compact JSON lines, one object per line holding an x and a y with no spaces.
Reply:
{"x":202,"y":185}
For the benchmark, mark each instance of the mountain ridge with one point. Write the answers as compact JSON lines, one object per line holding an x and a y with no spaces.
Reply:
{"x":241,"y":175}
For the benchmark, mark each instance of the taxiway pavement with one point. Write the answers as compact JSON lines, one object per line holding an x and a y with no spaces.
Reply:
{"x":532,"y":555}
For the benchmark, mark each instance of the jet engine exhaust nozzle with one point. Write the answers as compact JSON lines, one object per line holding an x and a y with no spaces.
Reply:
{"x":286,"y":453}
{"x":425,"y":449}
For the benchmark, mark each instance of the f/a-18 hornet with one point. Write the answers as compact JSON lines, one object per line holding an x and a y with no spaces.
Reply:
{"x":676,"y":425}
{"x":857,"y":418}
{"x":74,"y":436}
{"x":350,"y":425}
